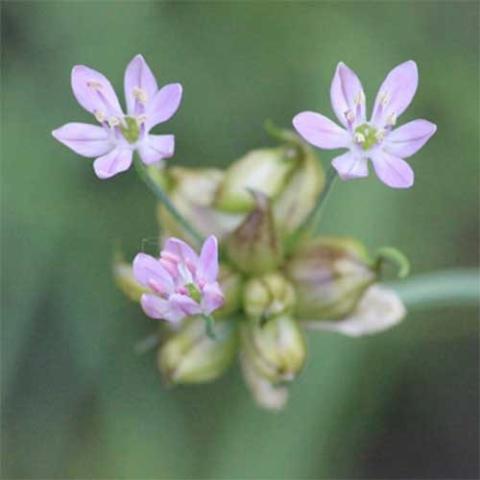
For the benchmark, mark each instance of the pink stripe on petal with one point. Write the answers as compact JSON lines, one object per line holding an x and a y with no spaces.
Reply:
{"x":94,"y":92}
{"x":163,"y":105}
{"x":350,"y":166}
{"x":117,"y":161}
{"x":409,"y":138}
{"x":396,"y":93}
{"x":156,"y":147}
{"x":86,"y":140}
{"x":392,"y":171}
{"x":185,"y":304}
{"x":208,"y":264}
{"x":320,"y":131}
{"x":347,"y":95}
{"x":181,"y":250}
{"x":138,"y":76}
{"x":147,"y":268}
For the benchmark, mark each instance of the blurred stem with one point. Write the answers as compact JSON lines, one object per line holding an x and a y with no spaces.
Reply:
{"x":310,"y":224}
{"x":163,"y":198}
{"x":448,"y":288}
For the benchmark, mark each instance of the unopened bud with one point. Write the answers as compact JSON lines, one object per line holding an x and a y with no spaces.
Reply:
{"x":190,"y":356}
{"x":231,"y":286}
{"x":268,"y":296}
{"x":276,"y":350}
{"x":330,"y":276}
{"x":265,"y":170}
{"x":123,"y":276}
{"x":253,"y":246}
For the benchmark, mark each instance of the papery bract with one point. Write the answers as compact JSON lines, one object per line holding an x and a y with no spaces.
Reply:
{"x":119,"y":135}
{"x":374,"y":139}
{"x":181,"y":282}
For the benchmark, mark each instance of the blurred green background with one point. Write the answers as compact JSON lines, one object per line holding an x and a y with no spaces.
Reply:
{"x":77,"y":402}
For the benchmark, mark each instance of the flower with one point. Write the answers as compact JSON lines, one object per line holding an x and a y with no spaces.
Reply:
{"x":375,"y":139}
{"x":181,"y":283}
{"x":113,"y":143}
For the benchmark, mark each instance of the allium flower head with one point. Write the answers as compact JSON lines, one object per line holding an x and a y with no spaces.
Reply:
{"x":374,"y":139}
{"x":181,"y":283}
{"x":114,"y":141}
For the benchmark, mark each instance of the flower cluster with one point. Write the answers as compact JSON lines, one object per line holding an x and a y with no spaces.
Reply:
{"x":261,"y":279}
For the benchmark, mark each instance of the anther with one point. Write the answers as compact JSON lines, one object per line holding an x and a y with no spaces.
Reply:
{"x":141,"y":119}
{"x":384,"y":99}
{"x":380,"y":135}
{"x":392,"y":119}
{"x":140,"y":94}
{"x":94,"y":85}
{"x":360,"y":98}
{"x":350,"y":116}
{"x":113,"y":122}
{"x":100,"y":116}
{"x":359,"y":137}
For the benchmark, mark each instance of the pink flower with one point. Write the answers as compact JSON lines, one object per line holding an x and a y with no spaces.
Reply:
{"x":375,"y":139}
{"x":113,"y":142}
{"x":181,"y":282}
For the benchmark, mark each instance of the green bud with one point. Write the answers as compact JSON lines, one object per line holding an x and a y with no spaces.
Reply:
{"x":265,"y":170}
{"x":276,"y":350}
{"x":123,"y":276}
{"x":192,"y":191}
{"x":253,"y":247}
{"x":231,"y":284}
{"x":330,"y":276}
{"x":268,"y":296}
{"x":190,"y":356}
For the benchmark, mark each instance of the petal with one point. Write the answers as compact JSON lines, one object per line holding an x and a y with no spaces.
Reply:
{"x":212,"y":297}
{"x":138,"y":79}
{"x":208,"y":264}
{"x":181,"y":250}
{"x":378,"y":310}
{"x":350,"y":166}
{"x":163,"y":105}
{"x":148,"y":271}
{"x":347,"y":95}
{"x":395,"y":93}
{"x":86,"y":140}
{"x":409,"y":138}
{"x":160,"y":309}
{"x":392,"y":171}
{"x":320,"y":131}
{"x":94,"y":92}
{"x":156,"y":147}
{"x":184,"y":304}
{"x":117,"y":161}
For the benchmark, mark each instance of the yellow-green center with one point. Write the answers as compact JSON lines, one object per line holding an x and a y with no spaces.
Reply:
{"x":194,"y":292}
{"x":131,"y":130}
{"x":366,"y":136}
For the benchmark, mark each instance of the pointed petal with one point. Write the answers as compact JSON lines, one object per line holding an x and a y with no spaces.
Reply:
{"x":320,"y":131}
{"x":94,"y":92}
{"x":86,"y":140}
{"x":212,"y":298}
{"x":409,"y":138}
{"x":395,"y":93}
{"x":208,"y":264}
{"x":392,"y":171}
{"x":163,"y":105}
{"x":347,"y":95}
{"x":181,"y":250}
{"x":184,"y":304}
{"x":350,"y":166}
{"x":148,"y":271}
{"x":138,"y":80}
{"x":156,"y":147}
{"x":379,"y":310}
{"x":114,"y":162}
{"x":160,"y":309}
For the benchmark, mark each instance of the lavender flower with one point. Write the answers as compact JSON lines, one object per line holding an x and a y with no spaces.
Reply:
{"x":375,"y":139}
{"x":114,"y":142}
{"x":181,"y":282}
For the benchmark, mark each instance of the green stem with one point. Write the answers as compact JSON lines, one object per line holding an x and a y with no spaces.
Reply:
{"x":447,"y":288}
{"x":163,"y":198}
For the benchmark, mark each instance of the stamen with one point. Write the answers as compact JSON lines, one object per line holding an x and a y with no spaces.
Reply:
{"x":360,"y":98}
{"x":141,"y":119}
{"x":140,"y":94}
{"x":384,"y":99}
{"x":94,"y":85}
{"x":359,"y":137}
{"x":113,"y":122}
{"x":350,"y":116}
{"x":380,"y":135}
{"x":100,"y":116}
{"x":392,"y":119}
